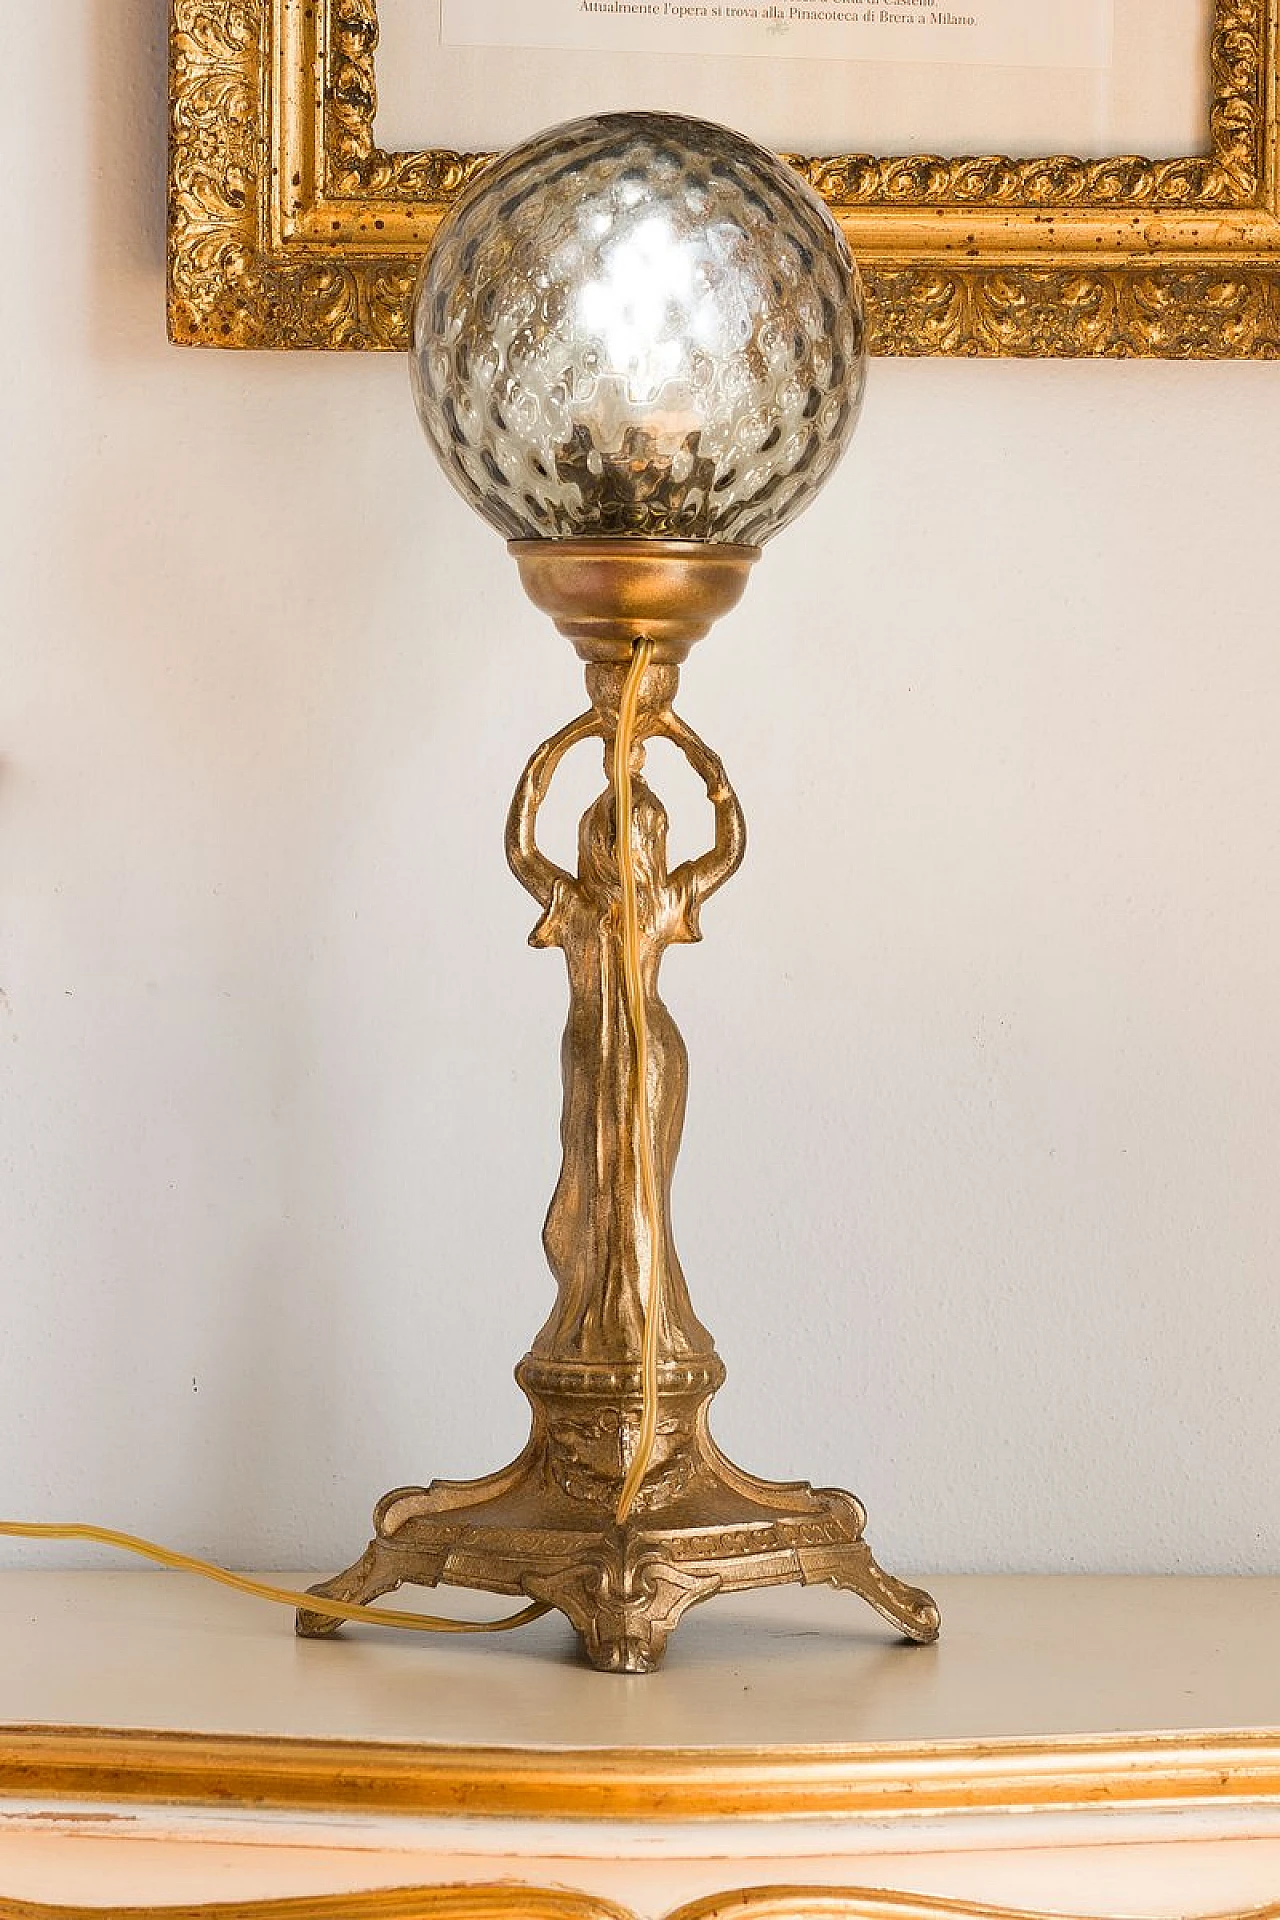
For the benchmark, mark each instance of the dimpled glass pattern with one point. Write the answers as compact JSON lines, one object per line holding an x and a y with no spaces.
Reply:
{"x":638,"y":324}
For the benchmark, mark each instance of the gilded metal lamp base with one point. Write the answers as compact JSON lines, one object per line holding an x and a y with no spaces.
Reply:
{"x":546,"y":1527}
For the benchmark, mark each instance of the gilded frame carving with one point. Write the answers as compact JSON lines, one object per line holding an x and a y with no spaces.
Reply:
{"x":289,"y":227}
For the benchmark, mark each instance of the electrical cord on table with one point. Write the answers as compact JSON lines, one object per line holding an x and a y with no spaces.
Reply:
{"x":262,"y":1590}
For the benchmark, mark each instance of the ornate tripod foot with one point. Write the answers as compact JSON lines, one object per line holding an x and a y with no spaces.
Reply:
{"x":380,"y":1569}
{"x":854,"y":1569}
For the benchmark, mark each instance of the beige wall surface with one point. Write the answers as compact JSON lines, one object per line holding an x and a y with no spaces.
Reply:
{"x":979,"y":1184}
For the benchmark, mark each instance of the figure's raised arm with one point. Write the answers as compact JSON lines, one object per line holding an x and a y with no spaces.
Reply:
{"x":722,"y":860}
{"x":529,"y":864}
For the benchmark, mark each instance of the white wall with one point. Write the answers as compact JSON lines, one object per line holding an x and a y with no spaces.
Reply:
{"x":979,"y":1187}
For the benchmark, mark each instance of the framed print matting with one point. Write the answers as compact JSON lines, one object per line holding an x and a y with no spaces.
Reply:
{"x":289,"y":226}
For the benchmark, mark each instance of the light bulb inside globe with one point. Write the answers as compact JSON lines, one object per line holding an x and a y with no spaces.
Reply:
{"x":639,"y":326}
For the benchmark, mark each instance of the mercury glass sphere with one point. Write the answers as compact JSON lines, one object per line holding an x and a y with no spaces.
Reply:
{"x":638,"y":324}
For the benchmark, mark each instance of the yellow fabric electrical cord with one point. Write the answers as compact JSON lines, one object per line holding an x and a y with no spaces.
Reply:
{"x":261,"y":1590}
{"x":641,"y":655}
{"x":634,"y":987}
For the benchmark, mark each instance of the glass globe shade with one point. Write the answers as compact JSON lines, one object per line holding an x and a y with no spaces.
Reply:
{"x":638,"y":324}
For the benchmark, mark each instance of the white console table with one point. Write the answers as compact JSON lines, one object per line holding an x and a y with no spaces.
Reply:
{"x":1076,"y":1746}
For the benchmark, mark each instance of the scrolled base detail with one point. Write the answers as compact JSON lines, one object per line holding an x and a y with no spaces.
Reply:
{"x":544,"y":1529}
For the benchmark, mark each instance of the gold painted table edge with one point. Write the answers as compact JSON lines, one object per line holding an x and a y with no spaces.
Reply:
{"x":880,"y":1781}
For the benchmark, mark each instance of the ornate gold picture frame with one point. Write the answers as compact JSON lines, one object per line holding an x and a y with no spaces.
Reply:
{"x":289,"y":227}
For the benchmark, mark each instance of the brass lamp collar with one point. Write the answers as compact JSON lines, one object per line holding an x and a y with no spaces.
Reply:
{"x":605,"y":594}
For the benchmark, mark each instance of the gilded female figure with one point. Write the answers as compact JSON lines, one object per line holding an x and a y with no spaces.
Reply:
{"x":596,"y":1234}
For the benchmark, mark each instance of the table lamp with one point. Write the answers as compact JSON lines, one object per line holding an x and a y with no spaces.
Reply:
{"x":637,"y":349}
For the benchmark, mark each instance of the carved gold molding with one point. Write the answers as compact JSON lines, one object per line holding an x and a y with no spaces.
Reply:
{"x":396,"y":1903}
{"x":865,"y":1903}
{"x":534,"y":1903}
{"x":290,"y":227}
{"x":1158,"y":1771}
